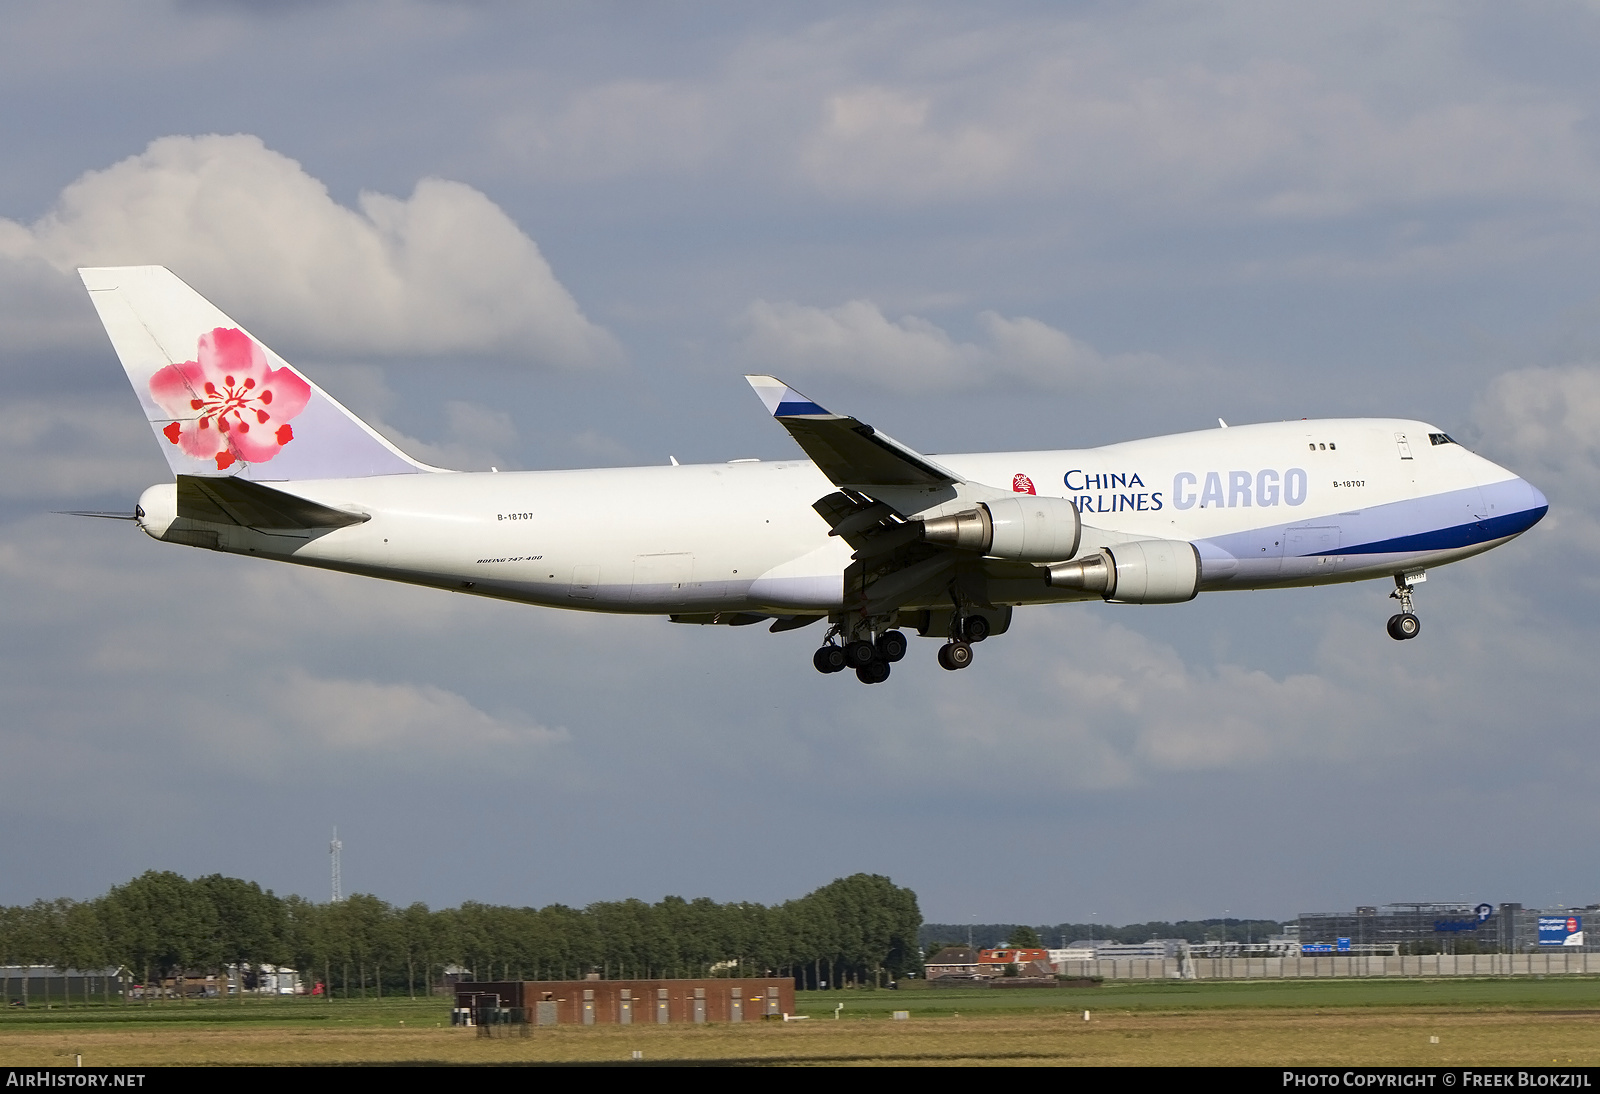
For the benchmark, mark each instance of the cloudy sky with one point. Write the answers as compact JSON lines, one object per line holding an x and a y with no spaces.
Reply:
{"x":542,"y":236}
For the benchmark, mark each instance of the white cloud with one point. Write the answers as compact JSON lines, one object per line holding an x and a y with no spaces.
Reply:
{"x":1108,"y":707}
{"x":1545,"y":424}
{"x":443,"y":271}
{"x":73,"y":448}
{"x":613,"y":129}
{"x":476,"y":439}
{"x":886,"y":140}
{"x":1246,"y":113}
{"x":1549,"y":420}
{"x":912,"y":354}
{"x":1270,"y":138}
{"x":1276,"y":119}
{"x":367,"y":717}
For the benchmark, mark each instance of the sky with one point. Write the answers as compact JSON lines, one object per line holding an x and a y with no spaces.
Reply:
{"x":555,"y":235}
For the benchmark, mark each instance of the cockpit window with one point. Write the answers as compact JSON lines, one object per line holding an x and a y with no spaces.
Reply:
{"x":1441,"y":438}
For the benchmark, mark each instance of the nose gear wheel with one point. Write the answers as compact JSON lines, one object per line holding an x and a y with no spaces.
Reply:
{"x":1405,"y":624}
{"x":955,"y":655}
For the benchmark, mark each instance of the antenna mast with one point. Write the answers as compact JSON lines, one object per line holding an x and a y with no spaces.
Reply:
{"x":333,"y":853}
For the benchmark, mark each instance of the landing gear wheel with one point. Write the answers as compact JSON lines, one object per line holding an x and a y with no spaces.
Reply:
{"x":891,"y":647}
{"x":860,"y":654}
{"x":829,"y":659}
{"x":955,"y":655}
{"x":875,"y":673}
{"x":1404,"y":626}
{"x":976,"y":628}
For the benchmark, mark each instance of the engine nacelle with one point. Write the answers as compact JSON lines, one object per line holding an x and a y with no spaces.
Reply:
{"x":1025,"y":528}
{"x":1147,"y":571}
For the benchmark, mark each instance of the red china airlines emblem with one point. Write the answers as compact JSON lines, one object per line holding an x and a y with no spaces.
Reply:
{"x":229,"y":403}
{"x":1021,"y":484}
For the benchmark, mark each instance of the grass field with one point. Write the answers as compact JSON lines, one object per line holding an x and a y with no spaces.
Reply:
{"x":1349,"y":1022}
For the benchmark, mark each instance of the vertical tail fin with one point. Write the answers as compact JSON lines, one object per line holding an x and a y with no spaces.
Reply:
{"x":220,"y":402}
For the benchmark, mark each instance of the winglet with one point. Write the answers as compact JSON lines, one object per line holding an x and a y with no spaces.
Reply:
{"x":783,"y":401}
{"x":848,"y":451}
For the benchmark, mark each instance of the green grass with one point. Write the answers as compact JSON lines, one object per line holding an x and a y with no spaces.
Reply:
{"x":1554,"y":993}
{"x":269,"y":1011}
{"x":1129,"y":997}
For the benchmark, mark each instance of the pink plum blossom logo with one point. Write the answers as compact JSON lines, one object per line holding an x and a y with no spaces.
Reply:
{"x":242,"y":403}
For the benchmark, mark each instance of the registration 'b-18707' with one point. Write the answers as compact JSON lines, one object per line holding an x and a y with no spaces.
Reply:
{"x":865,"y":535}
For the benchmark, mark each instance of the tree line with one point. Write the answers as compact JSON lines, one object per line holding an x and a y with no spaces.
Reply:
{"x":859,"y":930}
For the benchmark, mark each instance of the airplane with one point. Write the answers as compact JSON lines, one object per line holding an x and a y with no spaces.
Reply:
{"x":865,"y":534}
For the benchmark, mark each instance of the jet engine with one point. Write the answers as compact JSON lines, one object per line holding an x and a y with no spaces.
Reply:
{"x":1027,"y":528}
{"x":1149,"y":571}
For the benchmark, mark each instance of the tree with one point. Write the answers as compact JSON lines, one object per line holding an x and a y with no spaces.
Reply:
{"x":163,"y":923}
{"x":854,"y":930}
{"x":251,"y":925}
{"x":1025,"y":938}
{"x":416,"y":932}
{"x":80,"y":940}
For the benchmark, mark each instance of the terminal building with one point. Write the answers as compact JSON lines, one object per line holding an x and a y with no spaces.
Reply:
{"x":1449,"y":927}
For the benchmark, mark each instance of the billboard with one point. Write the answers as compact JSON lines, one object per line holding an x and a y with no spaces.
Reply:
{"x":1340,"y":945}
{"x":1561,"y":930}
{"x":1480,"y":916}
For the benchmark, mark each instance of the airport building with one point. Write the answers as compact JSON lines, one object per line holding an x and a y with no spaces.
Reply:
{"x":1449,"y":927}
{"x":25,"y":985}
{"x":1102,"y":949}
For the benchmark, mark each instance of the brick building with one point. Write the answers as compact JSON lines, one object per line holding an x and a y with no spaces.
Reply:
{"x":625,"y":1002}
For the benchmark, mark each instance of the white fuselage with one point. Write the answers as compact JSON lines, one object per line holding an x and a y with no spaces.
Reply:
{"x":1290,"y":503}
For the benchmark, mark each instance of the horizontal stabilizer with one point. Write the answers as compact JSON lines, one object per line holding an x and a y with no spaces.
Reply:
{"x":848,"y":451}
{"x":251,"y":505}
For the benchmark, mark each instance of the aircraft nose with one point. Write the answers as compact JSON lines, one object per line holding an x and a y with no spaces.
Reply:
{"x":1541,"y":502}
{"x":1517,"y":505}
{"x":1511,"y":504}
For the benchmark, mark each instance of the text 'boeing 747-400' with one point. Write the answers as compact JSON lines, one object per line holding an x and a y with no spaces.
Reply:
{"x":866,"y":534}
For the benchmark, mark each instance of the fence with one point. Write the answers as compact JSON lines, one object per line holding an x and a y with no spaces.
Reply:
{"x":1334,"y":965}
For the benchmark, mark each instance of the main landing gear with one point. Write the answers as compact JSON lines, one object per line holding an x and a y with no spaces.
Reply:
{"x":1406,"y":624}
{"x":870,"y":658}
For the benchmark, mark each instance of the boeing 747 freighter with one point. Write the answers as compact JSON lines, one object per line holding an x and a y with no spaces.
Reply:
{"x":865,"y":535}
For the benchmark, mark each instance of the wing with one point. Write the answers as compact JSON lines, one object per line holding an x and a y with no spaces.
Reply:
{"x":848,"y":451}
{"x":884,"y":486}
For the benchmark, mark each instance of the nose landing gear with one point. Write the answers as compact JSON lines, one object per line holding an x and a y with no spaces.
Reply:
{"x":955,"y":655}
{"x":1406,"y":624}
